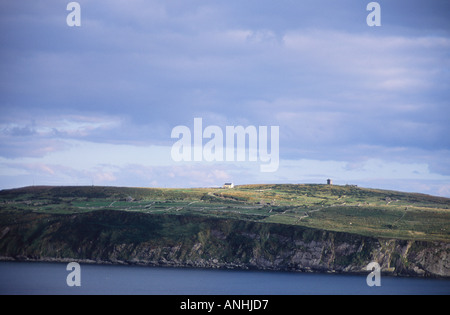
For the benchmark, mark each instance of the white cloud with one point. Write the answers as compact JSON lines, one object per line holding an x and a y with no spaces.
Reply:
{"x":385,"y":63}
{"x":86,"y":155}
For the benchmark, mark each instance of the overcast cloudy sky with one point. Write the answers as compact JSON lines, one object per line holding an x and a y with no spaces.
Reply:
{"x":96,"y":104}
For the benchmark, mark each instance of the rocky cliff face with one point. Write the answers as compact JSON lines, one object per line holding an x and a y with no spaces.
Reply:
{"x":161,"y":240}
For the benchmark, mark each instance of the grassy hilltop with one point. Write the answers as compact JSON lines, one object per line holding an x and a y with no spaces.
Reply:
{"x":367,"y":212}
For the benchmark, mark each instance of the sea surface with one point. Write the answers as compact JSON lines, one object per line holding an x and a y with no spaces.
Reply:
{"x":36,"y":278}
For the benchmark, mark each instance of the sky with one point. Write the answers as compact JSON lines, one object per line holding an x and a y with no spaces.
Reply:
{"x":96,"y":104}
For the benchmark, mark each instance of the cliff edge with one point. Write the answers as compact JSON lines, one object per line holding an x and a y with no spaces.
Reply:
{"x":120,"y":237}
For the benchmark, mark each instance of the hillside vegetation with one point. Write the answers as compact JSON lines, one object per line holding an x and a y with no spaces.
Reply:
{"x":367,"y":212}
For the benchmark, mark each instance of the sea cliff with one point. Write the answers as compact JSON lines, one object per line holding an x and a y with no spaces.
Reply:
{"x":120,"y":237}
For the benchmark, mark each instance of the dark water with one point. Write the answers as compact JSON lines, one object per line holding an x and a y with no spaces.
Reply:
{"x":50,"y":278}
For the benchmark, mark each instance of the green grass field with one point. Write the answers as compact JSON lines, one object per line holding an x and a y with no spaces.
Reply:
{"x":368,"y":212}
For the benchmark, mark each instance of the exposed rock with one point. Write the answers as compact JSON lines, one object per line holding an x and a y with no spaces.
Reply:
{"x":177,"y":241}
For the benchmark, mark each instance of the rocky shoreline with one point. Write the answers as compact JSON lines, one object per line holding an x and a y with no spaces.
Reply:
{"x":417,"y":272}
